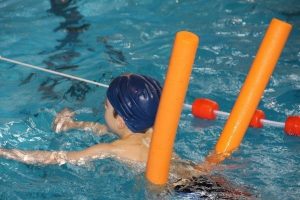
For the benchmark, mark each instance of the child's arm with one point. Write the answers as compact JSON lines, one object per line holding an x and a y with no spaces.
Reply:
{"x":64,"y":122}
{"x":59,"y":157}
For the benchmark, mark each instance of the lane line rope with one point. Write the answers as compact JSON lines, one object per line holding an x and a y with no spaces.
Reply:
{"x":53,"y":72}
{"x":186,"y":106}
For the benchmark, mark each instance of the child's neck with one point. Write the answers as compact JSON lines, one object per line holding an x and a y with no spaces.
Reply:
{"x":124,"y":133}
{"x":127,"y":133}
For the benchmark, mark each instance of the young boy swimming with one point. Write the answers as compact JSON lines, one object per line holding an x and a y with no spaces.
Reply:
{"x":130,"y":109}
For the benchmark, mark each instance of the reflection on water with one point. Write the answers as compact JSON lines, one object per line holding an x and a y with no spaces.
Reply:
{"x":64,"y":53}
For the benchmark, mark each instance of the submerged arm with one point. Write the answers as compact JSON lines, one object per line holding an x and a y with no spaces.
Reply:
{"x":58,"y":157}
{"x":34,"y":157}
{"x":95,"y":127}
{"x":64,"y":121}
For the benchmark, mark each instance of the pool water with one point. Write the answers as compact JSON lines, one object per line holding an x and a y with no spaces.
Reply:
{"x":98,"y":40}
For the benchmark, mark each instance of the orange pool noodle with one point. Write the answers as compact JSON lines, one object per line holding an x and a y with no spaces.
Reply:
{"x":170,"y":107}
{"x":253,"y":88}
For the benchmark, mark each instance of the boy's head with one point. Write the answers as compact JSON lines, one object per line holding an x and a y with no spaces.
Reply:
{"x":135,"y":98}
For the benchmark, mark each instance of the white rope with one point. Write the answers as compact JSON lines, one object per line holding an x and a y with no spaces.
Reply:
{"x":263,"y":121}
{"x":273,"y":123}
{"x":221,"y":113}
{"x":53,"y":72}
{"x":187,"y":106}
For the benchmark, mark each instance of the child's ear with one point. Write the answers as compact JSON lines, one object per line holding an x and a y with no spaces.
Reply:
{"x":120,"y":122}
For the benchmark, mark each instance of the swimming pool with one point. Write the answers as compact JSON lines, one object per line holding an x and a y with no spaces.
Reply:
{"x":98,"y":41}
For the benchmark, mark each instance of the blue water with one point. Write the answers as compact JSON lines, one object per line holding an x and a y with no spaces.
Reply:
{"x":99,"y":40}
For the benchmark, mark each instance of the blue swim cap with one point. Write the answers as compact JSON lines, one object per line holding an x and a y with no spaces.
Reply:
{"x":135,"y":98}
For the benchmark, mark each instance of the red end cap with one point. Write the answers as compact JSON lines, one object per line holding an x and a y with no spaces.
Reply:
{"x":256,"y":119}
{"x":204,"y":108}
{"x":292,"y":125}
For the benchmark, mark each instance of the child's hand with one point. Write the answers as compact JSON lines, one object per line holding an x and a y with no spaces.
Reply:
{"x":63,"y":120}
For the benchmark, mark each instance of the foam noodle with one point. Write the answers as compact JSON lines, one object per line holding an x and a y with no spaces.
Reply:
{"x":170,"y":106}
{"x":253,"y":88}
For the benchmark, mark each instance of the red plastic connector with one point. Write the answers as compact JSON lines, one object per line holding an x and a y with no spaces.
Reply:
{"x":256,"y":119}
{"x":292,"y":125}
{"x":204,"y":109}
